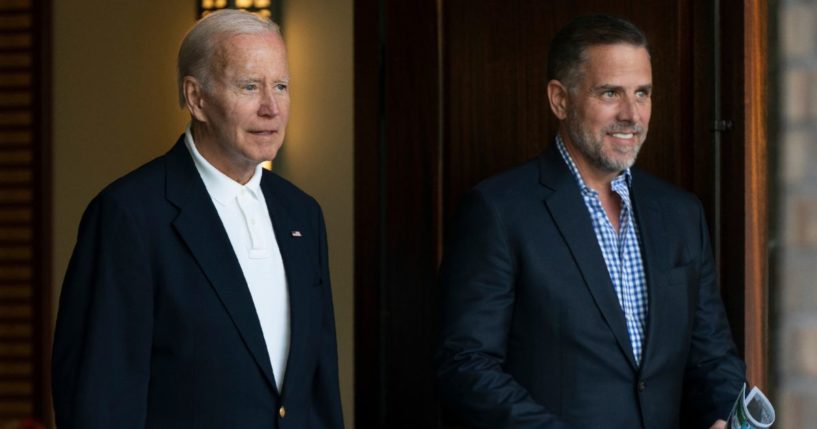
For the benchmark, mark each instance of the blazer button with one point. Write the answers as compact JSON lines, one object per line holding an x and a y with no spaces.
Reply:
{"x":282,"y":411}
{"x":641,"y":386}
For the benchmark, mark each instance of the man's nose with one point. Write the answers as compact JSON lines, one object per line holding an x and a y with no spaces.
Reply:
{"x":269,"y":104}
{"x":629,"y":110}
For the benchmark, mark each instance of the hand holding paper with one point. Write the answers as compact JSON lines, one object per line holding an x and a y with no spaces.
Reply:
{"x":752,"y":411}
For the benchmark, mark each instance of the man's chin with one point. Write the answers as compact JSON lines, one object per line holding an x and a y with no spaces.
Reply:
{"x":622,"y":160}
{"x":616,"y":165}
{"x":266,"y":150}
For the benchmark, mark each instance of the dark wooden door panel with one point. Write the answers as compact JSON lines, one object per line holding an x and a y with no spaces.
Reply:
{"x":396,"y":179}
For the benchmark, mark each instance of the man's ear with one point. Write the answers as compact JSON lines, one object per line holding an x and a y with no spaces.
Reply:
{"x":557,"y":97}
{"x":194,"y":97}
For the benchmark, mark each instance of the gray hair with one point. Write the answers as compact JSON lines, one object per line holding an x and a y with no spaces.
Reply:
{"x":569,"y":46}
{"x":197,"y":49}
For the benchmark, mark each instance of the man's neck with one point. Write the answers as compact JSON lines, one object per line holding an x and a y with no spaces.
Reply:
{"x":210,"y":151}
{"x":594,"y":178}
{"x":597,"y":180}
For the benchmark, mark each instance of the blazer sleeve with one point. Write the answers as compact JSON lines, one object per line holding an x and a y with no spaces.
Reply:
{"x":714,"y":372}
{"x":477,"y":279}
{"x":326,"y":405}
{"x":102,"y":342}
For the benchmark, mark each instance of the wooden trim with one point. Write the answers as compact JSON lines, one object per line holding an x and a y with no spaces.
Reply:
{"x":756,"y":197}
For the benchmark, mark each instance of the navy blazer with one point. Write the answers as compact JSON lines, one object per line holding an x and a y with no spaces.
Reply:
{"x":532,"y":333}
{"x":156,"y":325}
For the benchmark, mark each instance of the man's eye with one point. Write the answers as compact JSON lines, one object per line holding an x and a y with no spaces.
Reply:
{"x":642,"y":94}
{"x":250,"y":87}
{"x":281,"y":87}
{"x":608,"y":94}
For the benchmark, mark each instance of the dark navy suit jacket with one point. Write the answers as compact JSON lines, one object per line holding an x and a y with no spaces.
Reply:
{"x":532,"y":333}
{"x":156,"y":325}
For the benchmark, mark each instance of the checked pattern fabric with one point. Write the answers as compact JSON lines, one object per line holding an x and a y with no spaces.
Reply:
{"x":621,"y":250}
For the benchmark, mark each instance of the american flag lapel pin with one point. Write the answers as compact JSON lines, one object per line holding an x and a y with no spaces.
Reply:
{"x":297,"y":233}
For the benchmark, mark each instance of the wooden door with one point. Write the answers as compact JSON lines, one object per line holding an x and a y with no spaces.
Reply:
{"x":449,"y":92}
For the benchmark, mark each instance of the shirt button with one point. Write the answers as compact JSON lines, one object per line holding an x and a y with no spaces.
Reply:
{"x":282,"y":411}
{"x":641,"y":386}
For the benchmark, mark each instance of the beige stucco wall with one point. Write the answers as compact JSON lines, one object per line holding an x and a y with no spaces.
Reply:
{"x":318,"y":154}
{"x":114,"y":108}
{"x":114,"y":103}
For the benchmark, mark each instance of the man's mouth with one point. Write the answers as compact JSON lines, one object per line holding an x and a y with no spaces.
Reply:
{"x":623,"y":136}
{"x":624,"y":132}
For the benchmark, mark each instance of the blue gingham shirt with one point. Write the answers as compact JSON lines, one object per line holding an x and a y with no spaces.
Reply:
{"x":621,"y":251}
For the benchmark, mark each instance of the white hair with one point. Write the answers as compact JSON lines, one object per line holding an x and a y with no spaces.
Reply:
{"x":197,"y":49}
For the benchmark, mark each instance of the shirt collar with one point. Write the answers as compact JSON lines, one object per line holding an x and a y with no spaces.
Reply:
{"x":220,"y":187}
{"x":625,"y":176}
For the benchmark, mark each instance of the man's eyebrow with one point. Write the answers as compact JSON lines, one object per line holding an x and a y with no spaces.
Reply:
{"x":606,"y":87}
{"x":611,"y":87}
{"x":246,"y":79}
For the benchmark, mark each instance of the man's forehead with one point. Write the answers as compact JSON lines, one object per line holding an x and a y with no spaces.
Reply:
{"x":617,"y":60}
{"x":232,"y":41}
{"x":616,"y":51}
{"x":233,"y":49}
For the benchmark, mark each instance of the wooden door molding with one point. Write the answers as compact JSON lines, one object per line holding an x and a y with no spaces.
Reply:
{"x":756,"y":306}
{"x":744,"y":260}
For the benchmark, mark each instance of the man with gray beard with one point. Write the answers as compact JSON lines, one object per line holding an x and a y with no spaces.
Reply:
{"x":577,"y":291}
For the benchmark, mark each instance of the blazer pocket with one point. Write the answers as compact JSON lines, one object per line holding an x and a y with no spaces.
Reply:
{"x":683,"y":275}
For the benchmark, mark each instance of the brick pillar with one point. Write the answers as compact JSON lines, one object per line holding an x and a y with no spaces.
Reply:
{"x":795,"y":285}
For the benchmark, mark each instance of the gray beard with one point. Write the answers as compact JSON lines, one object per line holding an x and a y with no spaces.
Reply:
{"x":593,"y":149}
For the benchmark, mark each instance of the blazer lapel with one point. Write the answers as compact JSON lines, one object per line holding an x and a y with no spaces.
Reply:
{"x":294,"y":241}
{"x":569,"y":212}
{"x":200,"y":227}
{"x":656,"y":260}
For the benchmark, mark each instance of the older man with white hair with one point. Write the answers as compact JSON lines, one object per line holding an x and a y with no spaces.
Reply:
{"x":198,"y":294}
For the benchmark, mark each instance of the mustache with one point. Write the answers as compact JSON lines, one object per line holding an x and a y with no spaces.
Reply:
{"x":625,"y":128}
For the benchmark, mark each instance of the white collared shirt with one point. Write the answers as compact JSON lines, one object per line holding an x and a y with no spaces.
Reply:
{"x":244,"y":214}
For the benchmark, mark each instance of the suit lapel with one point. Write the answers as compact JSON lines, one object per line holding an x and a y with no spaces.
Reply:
{"x":656,"y":260}
{"x":293,"y":242}
{"x":200,"y":227}
{"x":569,"y":212}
